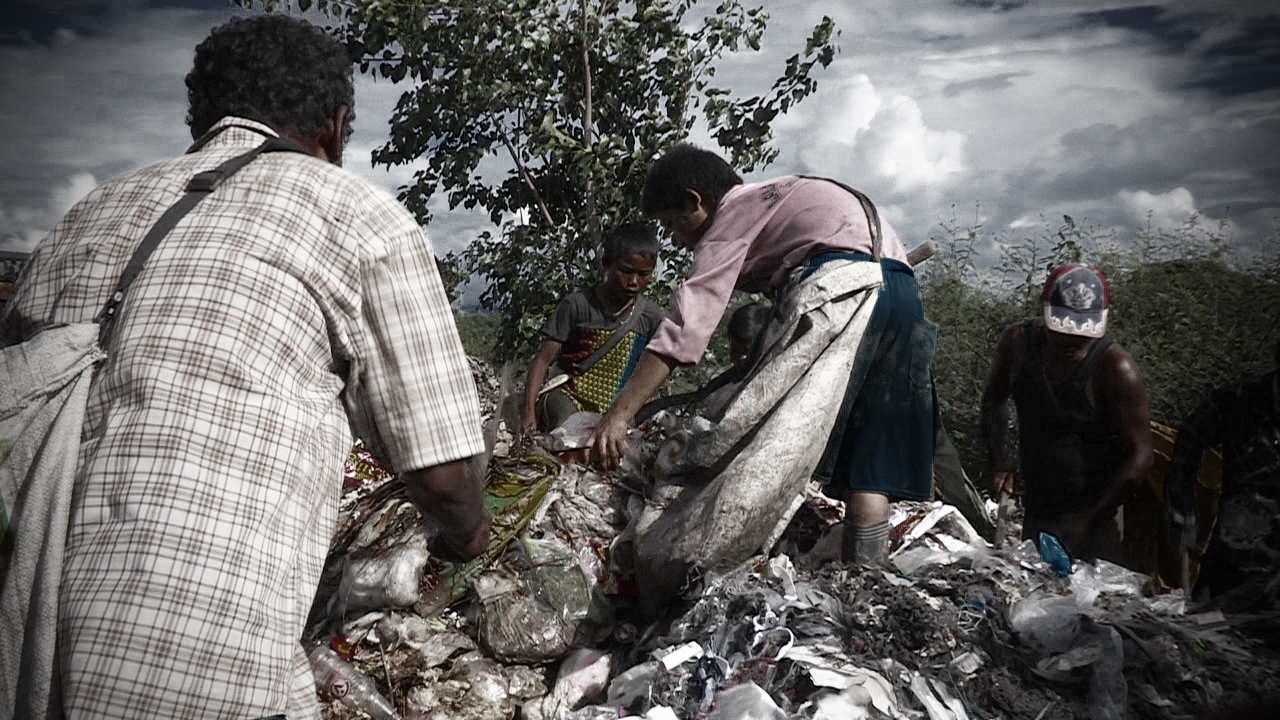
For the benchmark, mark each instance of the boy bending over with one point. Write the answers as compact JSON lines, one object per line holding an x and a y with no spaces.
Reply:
{"x":846,"y":297}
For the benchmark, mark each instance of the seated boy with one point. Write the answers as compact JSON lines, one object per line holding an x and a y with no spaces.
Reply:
{"x":595,"y":336}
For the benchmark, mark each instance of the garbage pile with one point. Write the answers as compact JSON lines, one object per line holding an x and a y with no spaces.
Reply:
{"x":548,"y":622}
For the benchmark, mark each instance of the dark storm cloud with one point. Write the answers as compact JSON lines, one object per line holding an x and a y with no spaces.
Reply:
{"x":993,"y":82}
{"x":1234,"y":57}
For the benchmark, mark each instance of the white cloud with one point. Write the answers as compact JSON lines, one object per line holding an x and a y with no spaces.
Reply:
{"x":22,"y":227}
{"x":1164,"y":210}
{"x":899,"y":146}
{"x":70,"y":193}
{"x":853,"y":131}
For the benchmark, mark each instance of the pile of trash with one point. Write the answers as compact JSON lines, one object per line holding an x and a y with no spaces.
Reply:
{"x":549,"y":623}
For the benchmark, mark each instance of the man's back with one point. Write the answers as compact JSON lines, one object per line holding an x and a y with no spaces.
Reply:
{"x":210,"y":469}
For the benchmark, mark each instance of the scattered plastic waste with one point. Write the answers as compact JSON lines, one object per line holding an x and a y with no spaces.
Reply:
{"x":532,"y":613}
{"x":549,"y":622}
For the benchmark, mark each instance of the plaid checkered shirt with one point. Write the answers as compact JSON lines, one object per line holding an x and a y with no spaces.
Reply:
{"x":295,"y":305}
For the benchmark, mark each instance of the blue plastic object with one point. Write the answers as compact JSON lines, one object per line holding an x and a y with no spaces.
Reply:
{"x":1054,"y":554}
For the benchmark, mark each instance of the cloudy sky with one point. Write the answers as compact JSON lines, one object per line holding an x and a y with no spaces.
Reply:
{"x":1010,"y":113}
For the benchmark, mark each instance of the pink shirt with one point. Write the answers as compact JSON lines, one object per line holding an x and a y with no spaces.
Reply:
{"x":759,"y":234}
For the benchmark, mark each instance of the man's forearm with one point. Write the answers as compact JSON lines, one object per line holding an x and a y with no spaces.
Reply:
{"x":451,"y":497}
{"x":1123,"y":483}
{"x":995,"y":431}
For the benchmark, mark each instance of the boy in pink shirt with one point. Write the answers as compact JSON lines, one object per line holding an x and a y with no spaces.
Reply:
{"x":771,"y":237}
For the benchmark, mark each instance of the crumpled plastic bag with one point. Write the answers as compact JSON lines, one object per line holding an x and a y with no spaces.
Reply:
{"x":532,"y":614}
{"x":746,"y":702}
{"x":1048,"y":621}
{"x":388,"y":577}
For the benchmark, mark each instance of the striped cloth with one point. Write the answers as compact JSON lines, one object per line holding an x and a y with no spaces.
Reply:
{"x":294,"y":306}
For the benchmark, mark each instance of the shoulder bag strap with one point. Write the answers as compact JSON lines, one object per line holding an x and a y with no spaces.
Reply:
{"x":613,"y":340}
{"x":197,"y":189}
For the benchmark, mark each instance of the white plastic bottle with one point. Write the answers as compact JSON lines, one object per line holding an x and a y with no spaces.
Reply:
{"x":341,"y":680}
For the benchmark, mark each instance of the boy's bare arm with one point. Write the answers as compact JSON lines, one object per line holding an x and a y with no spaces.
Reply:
{"x":606,"y":443}
{"x":547,"y":354}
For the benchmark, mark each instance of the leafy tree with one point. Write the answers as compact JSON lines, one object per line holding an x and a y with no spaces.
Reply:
{"x":546,"y":115}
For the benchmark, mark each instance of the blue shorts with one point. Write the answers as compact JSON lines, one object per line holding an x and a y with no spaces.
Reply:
{"x":882,"y":441}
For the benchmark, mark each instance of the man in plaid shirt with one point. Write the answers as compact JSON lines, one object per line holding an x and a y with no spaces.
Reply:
{"x":295,"y":306}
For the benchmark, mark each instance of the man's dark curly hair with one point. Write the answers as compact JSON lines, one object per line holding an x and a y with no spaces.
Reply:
{"x":686,"y":167}
{"x":276,"y":69}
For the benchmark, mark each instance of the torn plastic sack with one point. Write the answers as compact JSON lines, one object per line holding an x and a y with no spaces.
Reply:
{"x":532,"y":606}
{"x":741,"y":479}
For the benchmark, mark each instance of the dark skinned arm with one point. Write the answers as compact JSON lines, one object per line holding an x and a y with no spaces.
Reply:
{"x":547,"y":354}
{"x":607,"y":440}
{"x":995,"y":408}
{"x":1121,"y":393}
{"x":451,"y":497}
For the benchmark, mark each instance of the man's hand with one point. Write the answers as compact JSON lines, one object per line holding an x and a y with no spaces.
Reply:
{"x":1002,"y":484}
{"x":473,"y":548}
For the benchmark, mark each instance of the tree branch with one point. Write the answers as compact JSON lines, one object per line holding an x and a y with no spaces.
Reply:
{"x":593,"y":221}
{"x":524,"y":173}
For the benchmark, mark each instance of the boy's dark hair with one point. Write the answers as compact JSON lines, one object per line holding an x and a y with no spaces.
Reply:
{"x":686,"y":167}
{"x":278,"y":70}
{"x":637,"y":237}
{"x":747,"y":321}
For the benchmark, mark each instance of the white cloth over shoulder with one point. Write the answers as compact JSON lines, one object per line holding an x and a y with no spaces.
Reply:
{"x":44,"y":387}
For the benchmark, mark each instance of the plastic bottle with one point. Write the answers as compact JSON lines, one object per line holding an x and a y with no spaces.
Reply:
{"x":341,"y":680}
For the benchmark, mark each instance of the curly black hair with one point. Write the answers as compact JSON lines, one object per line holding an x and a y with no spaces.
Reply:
{"x":278,"y":70}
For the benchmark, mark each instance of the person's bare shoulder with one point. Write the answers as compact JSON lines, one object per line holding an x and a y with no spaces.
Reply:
{"x":1118,"y":372}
